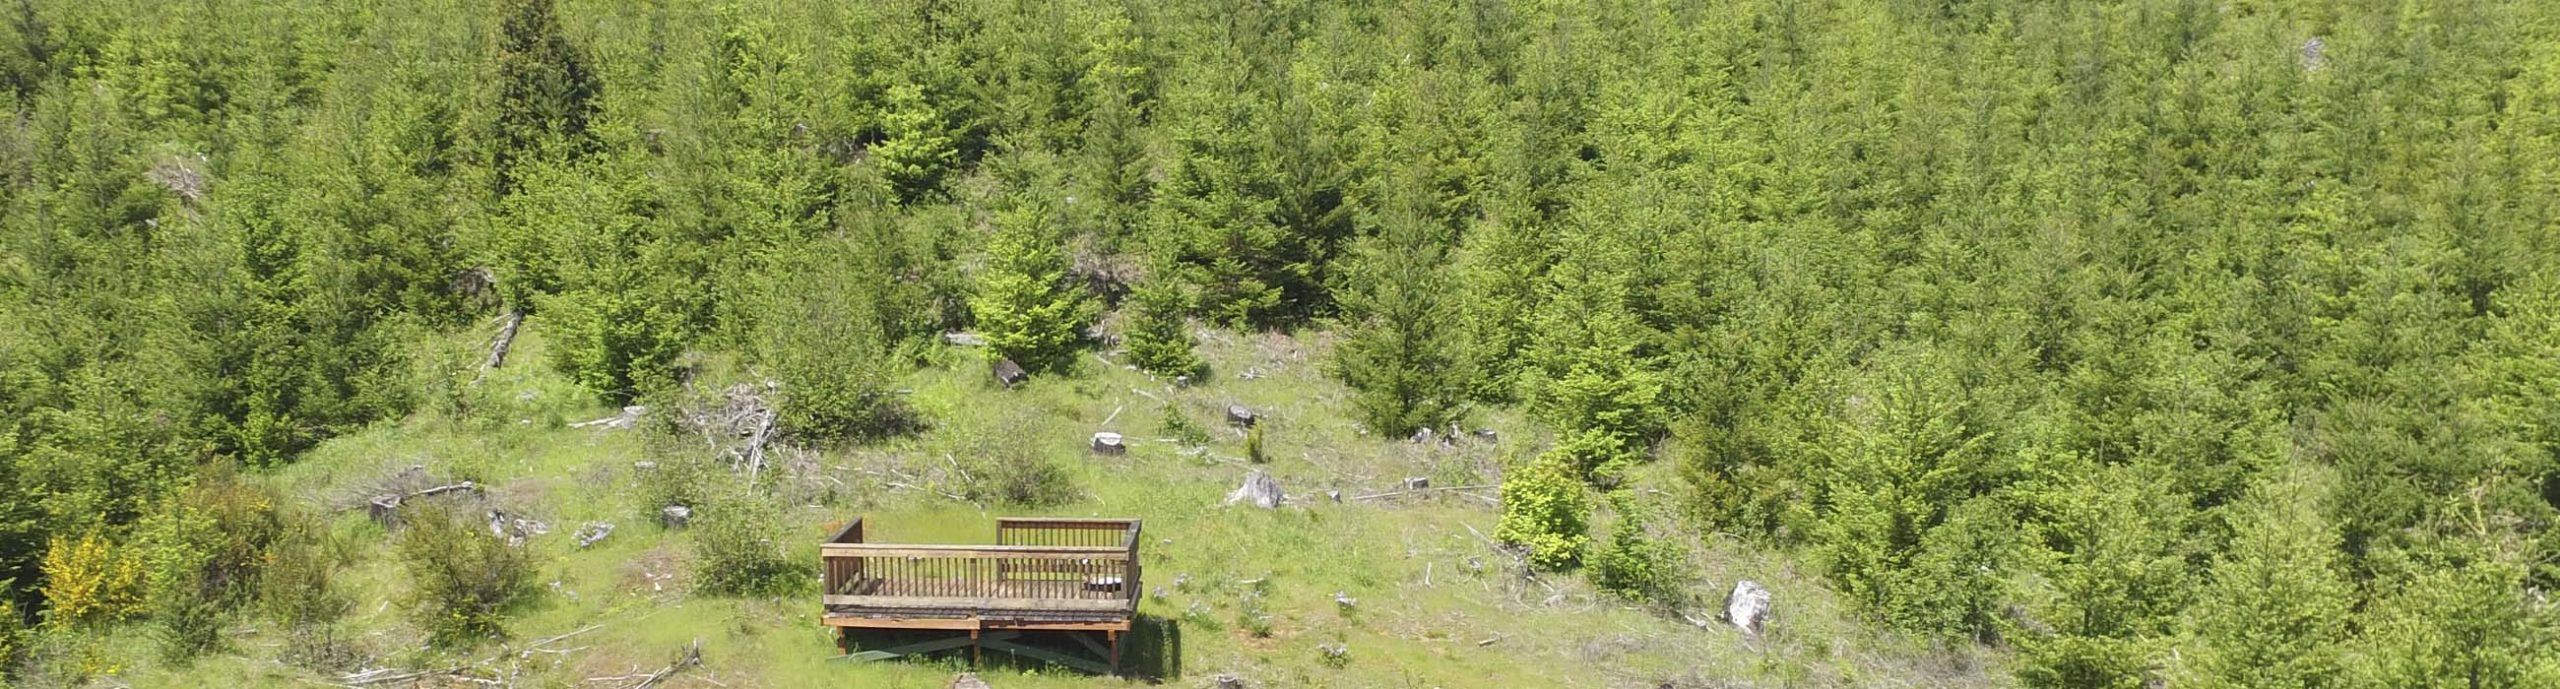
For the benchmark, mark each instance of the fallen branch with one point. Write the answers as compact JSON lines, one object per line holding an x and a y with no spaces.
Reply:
{"x":692,"y":657}
{"x":755,"y":445}
{"x":498,"y":349}
{"x":1419,"y":491}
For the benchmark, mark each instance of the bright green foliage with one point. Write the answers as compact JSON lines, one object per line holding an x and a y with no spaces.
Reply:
{"x":203,"y":551}
{"x":822,"y":340}
{"x":1253,"y":445}
{"x":463,"y":580}
{"x":1546,"y":512}
{"x":1181,"y":427}
{"x":1025,"y":306}
{"x":12,"y":629}
{"x":2468,"y":625}
{"x":1158,"y":336}
{"x":1634,"y":564}
{"x":619,"y":344}
{"x":1994,"y":313}
{"x":2118,"y":579}
{"x":1590,"y":375}
{"x":741,"y":547}
{"x":1014,"y":467}
{"x":2275,"y":609}
{"x":916,"y":150}
{"x":299,"y":582}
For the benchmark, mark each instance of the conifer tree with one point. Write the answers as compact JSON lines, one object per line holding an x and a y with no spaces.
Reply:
{"x":546,"y":90}
{"x":1399,"y":354}
{"x":1159,"y":332}
{"x":2276,"y":608}
{"x":1590,"y":374}
{"x":1025,"y":305}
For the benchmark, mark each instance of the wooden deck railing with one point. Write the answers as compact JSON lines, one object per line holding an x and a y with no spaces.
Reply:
{"x":1042,"y":565}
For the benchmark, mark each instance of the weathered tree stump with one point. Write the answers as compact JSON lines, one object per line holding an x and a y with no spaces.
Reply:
{"x":1109,"y":444}
{"x":1258,"y":490}
{"x":1009,"y":373}
{"x":1240,"y":417}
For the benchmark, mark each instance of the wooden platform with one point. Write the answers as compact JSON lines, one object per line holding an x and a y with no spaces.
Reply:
{"x":1067,"y":576}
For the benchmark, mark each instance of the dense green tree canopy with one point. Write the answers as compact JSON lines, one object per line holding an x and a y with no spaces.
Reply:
{"x":2213,"y":339}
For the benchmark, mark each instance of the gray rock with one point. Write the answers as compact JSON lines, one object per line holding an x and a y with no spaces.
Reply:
{"x":1488,"y":436}
{"x":1748,"y":606}
{"x":594,"y":533}
{"x":1420,"y":436}
{"x":962,"y":338}
{"x":675,"y":516}
{"x":968,"y":680}
{"x":1226,"y":680}
{"x":1241,"y":417}
{"x":1416,"y":483}
{"x":1258,"y":490}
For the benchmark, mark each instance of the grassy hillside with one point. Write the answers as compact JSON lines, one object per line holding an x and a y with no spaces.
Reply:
{"x":1437,"y":605}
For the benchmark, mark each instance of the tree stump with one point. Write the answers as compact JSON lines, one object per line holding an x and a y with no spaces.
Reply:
{"x":1109,"y":444}
{"x":1009,"y":373}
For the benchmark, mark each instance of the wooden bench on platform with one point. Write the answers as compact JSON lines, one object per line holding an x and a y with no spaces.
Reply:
{"x":1071,"y":578}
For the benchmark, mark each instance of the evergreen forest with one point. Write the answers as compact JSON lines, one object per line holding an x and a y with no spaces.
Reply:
{"x":2065,"y":344}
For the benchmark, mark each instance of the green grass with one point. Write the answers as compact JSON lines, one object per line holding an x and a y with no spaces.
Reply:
{"x":1437,"y":605}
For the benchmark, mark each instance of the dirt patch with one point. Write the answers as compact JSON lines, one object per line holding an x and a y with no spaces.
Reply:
{"x":662,"y":574}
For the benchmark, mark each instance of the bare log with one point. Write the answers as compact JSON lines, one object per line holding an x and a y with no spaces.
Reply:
{"x":498,"y":349}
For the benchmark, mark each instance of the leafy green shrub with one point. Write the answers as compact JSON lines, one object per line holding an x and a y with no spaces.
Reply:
{"x":614,"y":339}
{"x":1181,"y":427}
{"x":1005,"y":462}
{"x":11,"y":628}
{"x":300,"y":581}
{"x":1253,"y":444}
{"x":462,"y":580}
{"x":741,"y":548}
{"x":1633,"y":564}
{"x":1019,"y":476}
{"x":821,"y":335}
{"x":678,"y":478}
{"x":1158,"y":336}
{"x":917,"y":147}
{"x":203,"y":550}
{"x":1545,"y":513}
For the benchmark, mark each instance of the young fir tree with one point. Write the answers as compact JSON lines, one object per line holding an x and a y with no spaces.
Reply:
{"x":1399,"y":354}
{"x":1025,"y":305}
{"x":1159,"y":330}
{"x":546,"y":91}
{"x":1590,"y":374}
{"x":2275,"y":609}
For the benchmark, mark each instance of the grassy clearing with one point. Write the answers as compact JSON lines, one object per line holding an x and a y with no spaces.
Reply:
{"x":1234,"y":589}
